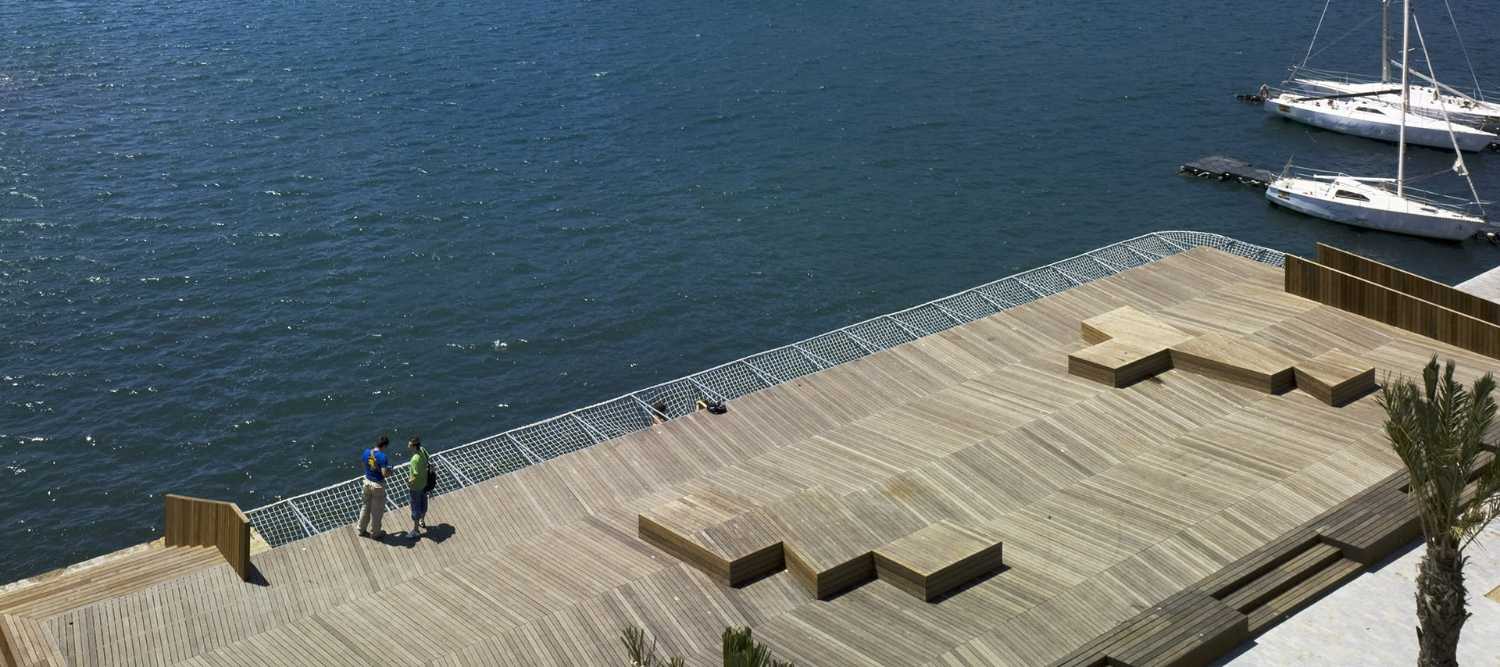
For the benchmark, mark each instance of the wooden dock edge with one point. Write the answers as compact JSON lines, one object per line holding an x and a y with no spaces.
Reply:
{"x":209,"y":523}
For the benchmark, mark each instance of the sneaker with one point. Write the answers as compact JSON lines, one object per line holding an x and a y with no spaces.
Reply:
{"x":378,"y":536}
{"x":364,"y":533}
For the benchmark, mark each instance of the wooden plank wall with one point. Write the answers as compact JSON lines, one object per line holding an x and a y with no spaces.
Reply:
{"x":1409,"y":283}
{"x":1351,"y":293}
{"x":210,"y":523}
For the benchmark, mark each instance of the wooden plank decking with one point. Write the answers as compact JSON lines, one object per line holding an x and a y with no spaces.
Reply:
{"x":1108,"y":502}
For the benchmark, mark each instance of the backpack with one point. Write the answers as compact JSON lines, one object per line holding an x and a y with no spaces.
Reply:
{"x":431,"y":475}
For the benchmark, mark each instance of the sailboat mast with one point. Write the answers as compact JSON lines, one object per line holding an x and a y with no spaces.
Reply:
{"x":1405,"y":95}
{"x":1385,"y":41}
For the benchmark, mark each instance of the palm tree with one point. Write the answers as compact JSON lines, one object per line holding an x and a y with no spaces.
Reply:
{"x":740,"y":650}
{"x":1438,"y":432}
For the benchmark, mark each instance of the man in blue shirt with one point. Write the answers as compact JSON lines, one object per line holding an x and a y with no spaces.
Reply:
{"x":376,"y":466}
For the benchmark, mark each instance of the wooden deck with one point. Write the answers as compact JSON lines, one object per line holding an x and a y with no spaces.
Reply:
{"x":1110,"y":504}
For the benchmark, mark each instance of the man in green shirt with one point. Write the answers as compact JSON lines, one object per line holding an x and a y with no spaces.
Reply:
{"x":419,"y":485}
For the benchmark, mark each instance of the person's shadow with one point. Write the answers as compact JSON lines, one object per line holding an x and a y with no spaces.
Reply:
{"x":436,"y":534}
{"x":439,"y":533}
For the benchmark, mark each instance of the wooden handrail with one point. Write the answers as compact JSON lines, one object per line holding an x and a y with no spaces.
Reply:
{"x":1409,"y":283}
{"x":210,"y":523}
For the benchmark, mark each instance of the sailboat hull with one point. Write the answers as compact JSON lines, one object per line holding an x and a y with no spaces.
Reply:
{"x":1399,"y":222}
{"x":1383,"y":130}
{"x":1424,"y":101}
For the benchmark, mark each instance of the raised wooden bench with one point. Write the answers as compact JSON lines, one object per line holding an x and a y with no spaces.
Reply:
{"x":938,"y":559}
{"x":1127,"y":323}
{"x":1119,"y":363}
{"x":1307,"y":591}
{"x":1236,"y":360}
{"x":720,"y":534}
{"x":1127,"y":346}
{"x":1373,"y":525}
{"x":1187,"y":628}
{"x":1282,"y":577}
{"x":827,"y":549}
{"x":1336,"y":377}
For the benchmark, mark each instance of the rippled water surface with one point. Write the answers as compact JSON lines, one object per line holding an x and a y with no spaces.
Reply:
{"x":238,"y":240}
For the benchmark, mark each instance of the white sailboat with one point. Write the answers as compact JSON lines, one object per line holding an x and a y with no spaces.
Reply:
{"x":1363,"y":117}
{"x":1343,"y":103}
{"x":1425,"y":101}
{"x":1430,"y":100}
{"x":1383,"y":203}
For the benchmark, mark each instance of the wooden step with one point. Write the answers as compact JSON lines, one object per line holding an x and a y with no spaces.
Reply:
{"x":1128,"y":346}
{"x":1119,"y":363}
{"x":1130,"y":324}
{"x":1188,"y":628}
{"x":1308,"y":591}
{"x":1275,"y":582}
{"x":1336,"y":377}
{"x":1372,"y":525}
{"x":827,"y":548}
{"x":25,"y":643}
{"x":1236,"y":360}
{"x":938,"y":559}
{"x":129,"y":573}
{"x":734,"y":541}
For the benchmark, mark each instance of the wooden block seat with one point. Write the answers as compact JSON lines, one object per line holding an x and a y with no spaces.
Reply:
{"x":938,"y":559}
{"x":1128,"y":346}
{"x":1237,"y":360}
{"x":1127,"y":323}
{"x":720,"y":534}
{"x":827,"y":549}
{"x":1119,"y":363}
{"x":1336,"y":377}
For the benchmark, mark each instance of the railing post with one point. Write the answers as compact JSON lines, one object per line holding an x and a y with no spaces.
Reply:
{"x":993,"y":302}
{"x":956,"y":319}
{"x":824,"y":363}
{"x":704,"y":388}
{"x":1030,"y":288}
{"x":910,"y":331}
{"x":588,"y":428}
{"x":453,"y":469}
{"x":870,"y":348}
{"x":649,"y":410}
{"x":766,"y":377}
{"x":1170,"y":242}
{"x":306,"y":524}
{"x":524,"y":449}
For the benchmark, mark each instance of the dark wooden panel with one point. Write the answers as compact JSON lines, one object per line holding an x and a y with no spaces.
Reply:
{"x":1409,"y":283}
{"x":1362,"y":297}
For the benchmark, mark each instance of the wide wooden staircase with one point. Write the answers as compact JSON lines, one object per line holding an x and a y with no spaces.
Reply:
{"x":199,"y":534}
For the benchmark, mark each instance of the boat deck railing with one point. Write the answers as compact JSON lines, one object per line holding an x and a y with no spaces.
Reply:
{"x":1418,"y":195}
{"x":304,"y":515}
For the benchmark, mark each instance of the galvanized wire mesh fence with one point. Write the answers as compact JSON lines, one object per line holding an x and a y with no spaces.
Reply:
{"x":337,"y":505}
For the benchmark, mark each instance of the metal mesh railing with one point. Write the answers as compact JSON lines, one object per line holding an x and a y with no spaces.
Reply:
{"x":337,"y":505}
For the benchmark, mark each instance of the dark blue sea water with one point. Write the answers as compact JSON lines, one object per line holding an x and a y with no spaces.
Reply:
{"x":239,"y":240}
